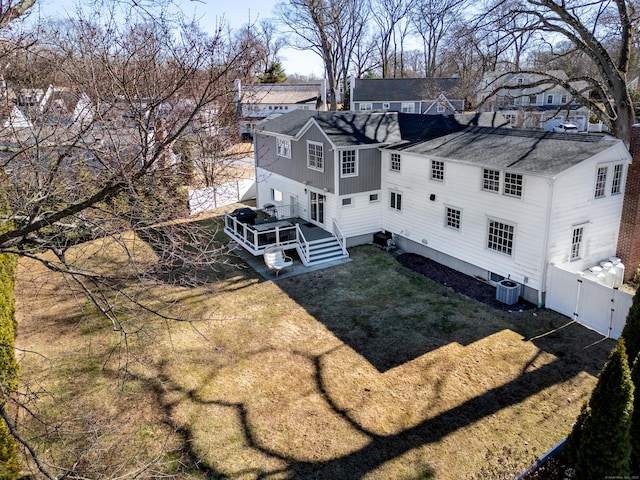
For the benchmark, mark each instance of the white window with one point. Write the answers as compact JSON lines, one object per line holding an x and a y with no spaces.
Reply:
{"x":386,"y":106}
{"x":348,"y":163}
{"x":500,"y":237}
{"x":512,"y":184}
{"x":408,"y":107}
{"x":440,"y":108}
{"x":315,"y":156}
{"x":373,"y":197}
{"x":453,"y":218}
{"x":491,"y":180}
{"x":395,"y":200}
{"x":395,"y":162}
{"x":437,"y":170}
{"x":616,"y":183}
{"x":366,"y":107}
{"x":276,"y":195}
{"x":283,"y":147}
{"x":601,"y":181}
{"x":564,"y":98}
{"x":576,"y":243}
{"x":347,"y":202}
{"x":533,"y":99}
{"x":550,"y":99}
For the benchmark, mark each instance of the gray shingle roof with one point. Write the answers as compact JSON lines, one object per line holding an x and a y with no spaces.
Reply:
{"x":527,"y":151}
{"x":404,"y":89}
{"x":482,"y":138}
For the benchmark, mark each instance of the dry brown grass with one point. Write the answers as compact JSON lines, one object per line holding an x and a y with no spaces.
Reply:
{"x":364,"y":370}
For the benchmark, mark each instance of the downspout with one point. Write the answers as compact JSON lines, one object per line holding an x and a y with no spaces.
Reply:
{"x":545,"y":246}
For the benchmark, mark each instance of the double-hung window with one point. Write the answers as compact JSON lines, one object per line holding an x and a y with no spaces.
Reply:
{"x":395,"y":200}
{"x":315,"y":156}
{"x":453,"y":218}
{"x":437,"y":170}
{"x":395,"y":162}
{"x":616,"y":182}
{"x":283,"y":146}
{"x":408,"y":107}
{"x":512,"y":184}
{"x":348,"y":163}
{"x":576,"y":243}
{"x":491,"y":180}
{"x":601,"y":182}
{"x":500,"y":237}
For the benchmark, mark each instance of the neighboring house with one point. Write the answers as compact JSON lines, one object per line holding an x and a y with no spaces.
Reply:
{"x":258,"y":101}
{"x":528,"y":104}
{"x":487,"y":200}
{"x":427,"y":96}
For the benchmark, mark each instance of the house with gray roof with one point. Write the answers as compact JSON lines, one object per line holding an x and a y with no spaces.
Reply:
{"x":255,"y":102}
{"x":465,"y":190}
{"x":531,"y":100}
{"x":427,"y":96}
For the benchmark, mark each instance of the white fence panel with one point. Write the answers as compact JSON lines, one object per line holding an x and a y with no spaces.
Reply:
{"x":591,"y":303}
{"x":203,"y":199}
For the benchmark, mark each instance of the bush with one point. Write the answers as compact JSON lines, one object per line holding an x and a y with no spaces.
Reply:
{"x":631,"y":330}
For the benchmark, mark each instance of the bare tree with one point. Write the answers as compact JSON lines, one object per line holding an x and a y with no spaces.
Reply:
{"x":389,"y":15}
{"x":603,"y":32}
{"x":432,"y":20}
{"x":92,"y":156}
{"x":330,"y":28}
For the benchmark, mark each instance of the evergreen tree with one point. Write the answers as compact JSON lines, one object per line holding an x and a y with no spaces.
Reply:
{"x":635,"y":422}
{"x":273,"y":74}
{"x":631,"y":330}
{"x":8,"y":366}
{"x":600,"y":443}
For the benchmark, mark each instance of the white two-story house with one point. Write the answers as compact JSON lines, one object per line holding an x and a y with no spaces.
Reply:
{"x":465,"y":190}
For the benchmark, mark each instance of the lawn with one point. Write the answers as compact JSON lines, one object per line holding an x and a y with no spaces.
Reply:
{"x":363,"y":370}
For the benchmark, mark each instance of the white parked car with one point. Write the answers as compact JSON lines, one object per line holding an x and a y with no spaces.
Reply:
{"x":566,"y":127}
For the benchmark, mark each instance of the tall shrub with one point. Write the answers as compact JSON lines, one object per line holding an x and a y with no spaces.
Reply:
{"x":635,"y":422}
{"x":8,"y":365}
{"x":599,"y":446}
{"x":631,"y":330}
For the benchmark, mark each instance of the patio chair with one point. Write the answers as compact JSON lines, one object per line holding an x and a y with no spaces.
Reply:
{"x":276,"y":259}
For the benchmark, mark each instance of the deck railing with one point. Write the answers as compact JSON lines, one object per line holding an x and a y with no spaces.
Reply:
{"x":257,"y":238}
{"x":342,"y":240}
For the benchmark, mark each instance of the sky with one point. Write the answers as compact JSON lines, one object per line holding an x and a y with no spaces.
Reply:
{"x":235,"y":12}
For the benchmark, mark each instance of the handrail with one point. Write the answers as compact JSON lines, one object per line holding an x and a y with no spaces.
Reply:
{"x":340,"y":236}
{"x":302,"y":246}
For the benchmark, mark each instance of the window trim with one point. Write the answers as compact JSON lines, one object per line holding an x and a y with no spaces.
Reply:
{"x":347,"y":202}
{"x":355,"y":163}
{"x":577,"y":236}
{"x":374,"y":198}
{"x":283,"y":147}
{"x":456,"y":223}
{"x":320,"y":168}
{"x":510,"y":188}
{"x":398,"y":162}
{"x":616,"y":179}
{"x":600,"y":186}
{"x":488,"y":183}
{"x":498,"y":237}
{"x":365,"y":106}
{"x":408,"y":107}
{"x":395,"y":200}
{"x":437,"y":174}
